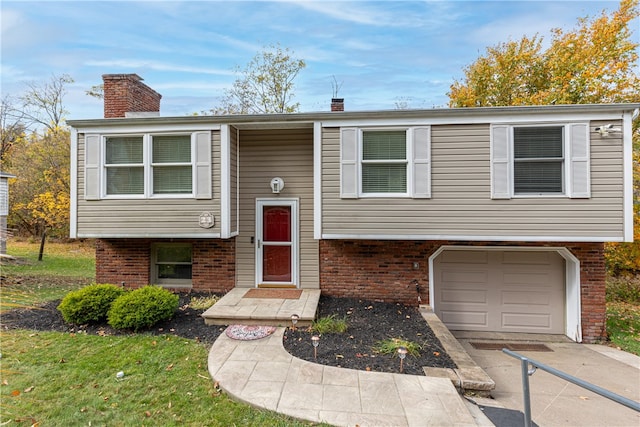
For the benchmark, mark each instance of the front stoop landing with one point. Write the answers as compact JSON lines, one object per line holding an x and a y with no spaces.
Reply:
{"x":234,"y":308}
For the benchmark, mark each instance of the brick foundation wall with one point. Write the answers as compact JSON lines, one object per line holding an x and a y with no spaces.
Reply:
{"x":125,"y":93}
{"x":129,"y":261}
{"x":384,"y":270}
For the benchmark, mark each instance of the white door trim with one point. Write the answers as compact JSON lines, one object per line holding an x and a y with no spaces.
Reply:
{"x":295,"y":239}
{"x":573,"y":318}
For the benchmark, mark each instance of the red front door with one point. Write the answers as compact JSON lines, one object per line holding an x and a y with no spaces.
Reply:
{"x":276,"y":243}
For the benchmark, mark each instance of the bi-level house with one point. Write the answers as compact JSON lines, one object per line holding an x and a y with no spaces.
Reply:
{"x":495,"y":217}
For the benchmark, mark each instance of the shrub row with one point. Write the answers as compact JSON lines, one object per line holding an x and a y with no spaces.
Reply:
{"x":136,"y":310}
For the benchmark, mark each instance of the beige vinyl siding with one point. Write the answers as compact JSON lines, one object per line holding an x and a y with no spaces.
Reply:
{"x":461,"y":203}
{"x":264,"y":155}
{"x":147,"y":217}
{"x":233,"y":180}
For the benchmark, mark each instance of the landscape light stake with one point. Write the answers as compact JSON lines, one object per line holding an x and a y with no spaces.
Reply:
{"x":294,"y":320}
{"x":402,"y":353}
{"x":315,"y":340}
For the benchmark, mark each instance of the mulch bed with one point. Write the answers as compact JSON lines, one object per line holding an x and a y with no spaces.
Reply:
{"x":368,"y":322}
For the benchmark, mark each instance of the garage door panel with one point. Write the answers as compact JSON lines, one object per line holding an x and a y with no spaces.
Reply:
{"x":456,"y":278}
{"x":525,"y":298}
{"x":464,"y":296}
{"x":522,"y":321}
{"x":468,"y":319}
{"x":510,"y":291}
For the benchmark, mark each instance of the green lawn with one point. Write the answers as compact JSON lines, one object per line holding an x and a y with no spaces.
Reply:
{"x":62,"y":379}
{"x":623,"y":326}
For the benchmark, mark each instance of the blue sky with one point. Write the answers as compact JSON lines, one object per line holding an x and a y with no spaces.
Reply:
{"x":382,"y":52}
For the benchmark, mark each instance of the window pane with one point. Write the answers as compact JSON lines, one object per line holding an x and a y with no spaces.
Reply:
{"x":387,"y":145}
{"x":174,"y":271}
{"x":277,"y":224}
{"x":172,"y":149}
{"x":173,"y":253}
{"x":125,"y":180}
{"x":384,"y":178}
{"x":124,"y":150}
{"x":537,"y":142}
{"x":172,"y":179}
{"x":538,"y":177}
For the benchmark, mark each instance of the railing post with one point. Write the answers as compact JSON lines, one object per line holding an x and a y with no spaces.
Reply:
{"x":524,"y":367}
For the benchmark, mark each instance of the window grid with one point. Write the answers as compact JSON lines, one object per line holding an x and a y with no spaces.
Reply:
{"x":384,"y":162}
{"x":538,"y":163}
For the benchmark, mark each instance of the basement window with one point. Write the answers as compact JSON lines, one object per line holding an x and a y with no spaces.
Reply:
{"x":172,"y":264}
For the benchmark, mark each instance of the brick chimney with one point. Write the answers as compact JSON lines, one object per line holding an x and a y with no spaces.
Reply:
{"x":337,"y":104}
{"x":125,"y":93}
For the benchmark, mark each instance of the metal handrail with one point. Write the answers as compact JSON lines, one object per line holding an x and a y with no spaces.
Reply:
{"x":527,"y":372}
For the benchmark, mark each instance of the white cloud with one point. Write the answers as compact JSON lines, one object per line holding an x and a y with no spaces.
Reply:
{"x":154,"y":65}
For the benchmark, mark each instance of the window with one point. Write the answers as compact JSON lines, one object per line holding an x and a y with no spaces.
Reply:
{"x":171,"y":164}
{"x":172,"y":264}
{"x":124,"y":165}
{"x":148,"y":165}
{"x":540,"y":160}
{"x":384,"y":162}
{"x":387,"y":162}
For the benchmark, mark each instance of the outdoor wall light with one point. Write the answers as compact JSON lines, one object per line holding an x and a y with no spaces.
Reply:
{"x":402,"y":353}
{"x":277,"y":185}
{"x":315,"y":340}
{"x":606,"y":129}
{"x":294,"y":320}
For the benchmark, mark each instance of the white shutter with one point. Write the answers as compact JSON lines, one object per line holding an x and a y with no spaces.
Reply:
{"x":500,"y":162}
{"x":92,"y":167}
{"x":349,"y":163}
{"x":579,"y":169}
{"x":203,"y":175}
{"x":422,"y":162}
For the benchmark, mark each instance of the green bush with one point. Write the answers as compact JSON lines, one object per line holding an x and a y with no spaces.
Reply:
{"x":142,"y":308}
{"x":89,"y":304}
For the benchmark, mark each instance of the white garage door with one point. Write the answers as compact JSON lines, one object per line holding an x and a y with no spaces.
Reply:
{"x":505,"y":291}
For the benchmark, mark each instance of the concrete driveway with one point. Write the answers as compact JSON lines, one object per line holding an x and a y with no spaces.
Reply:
{"x":556,"y":402}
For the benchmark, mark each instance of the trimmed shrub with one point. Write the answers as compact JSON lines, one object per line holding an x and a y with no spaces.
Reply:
{"x":89,"y":304}
{"x":142,"y":308}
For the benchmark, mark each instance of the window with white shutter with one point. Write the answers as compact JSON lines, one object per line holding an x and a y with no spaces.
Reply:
{"x":385,"y":162}
{"x":540,"y":160}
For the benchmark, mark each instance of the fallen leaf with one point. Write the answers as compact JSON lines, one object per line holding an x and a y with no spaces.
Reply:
{"x":170,"y":367}
{"x":105,"y":398}
{"x":15,"y":393}
{"x":83,"y":409}
{"x":147,"y":414}
{"x":169,"y":405}
{"x":367,"y":368}
{"x":153,"y":342}
{"x":436,"y":353}
{"x":583,"y":397}
{"x":29,"y":389}
{"x":62,"y":361}
{"x":339,"y":356}
{"x":5,"y":382}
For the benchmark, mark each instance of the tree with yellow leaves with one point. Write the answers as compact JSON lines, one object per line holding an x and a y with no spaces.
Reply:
{"x":594,"y":63}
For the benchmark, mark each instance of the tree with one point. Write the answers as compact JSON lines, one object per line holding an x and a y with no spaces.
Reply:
{"x":594,"y":63}
{"x":12,"y":128}
{"x":40,"y":197}
{"x":43,"y":102}
{"x":265,"y":85}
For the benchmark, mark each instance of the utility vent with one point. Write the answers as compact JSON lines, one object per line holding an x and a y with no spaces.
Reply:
{"x":513,"y":346}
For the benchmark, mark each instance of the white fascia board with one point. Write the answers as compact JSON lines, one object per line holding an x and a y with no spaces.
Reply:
{"x":334,"y":236}
{"x":150,"y":128}
{"x":317,"y":180}
{"x":627,"y":155}
{"x":225,"y":181}
{"x":73,"y":203}
{"x":148,"y":236}
{"x":480,"y":119}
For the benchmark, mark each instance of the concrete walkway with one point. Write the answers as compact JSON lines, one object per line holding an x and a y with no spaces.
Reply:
{"x":263,"y":374}
{"x":556,"y":402}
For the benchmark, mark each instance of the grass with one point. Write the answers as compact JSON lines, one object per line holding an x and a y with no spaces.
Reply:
{"x":60,"y":259}
{"x":51,"y":378}
{"x":623,"y":326}
{"x":390,"y":347}
{"x":329,"y":324}
{"x":65,"y":379}
{"x":623,"y":312}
